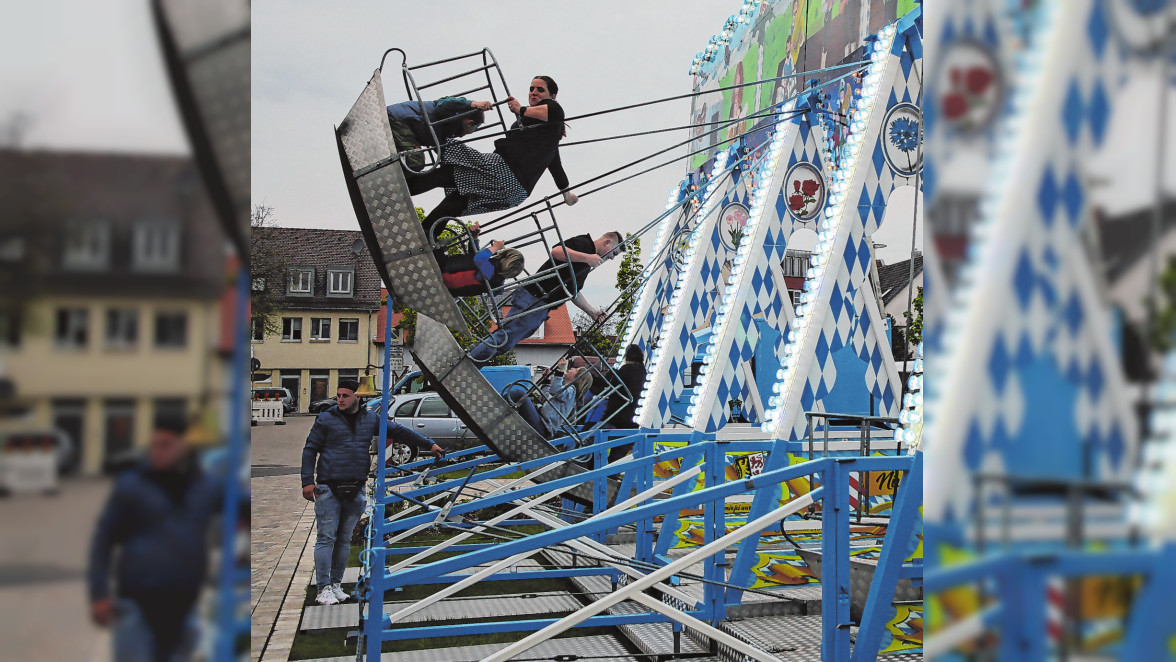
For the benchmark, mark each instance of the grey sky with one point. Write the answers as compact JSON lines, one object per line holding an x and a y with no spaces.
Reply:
{"x":310,"y":62}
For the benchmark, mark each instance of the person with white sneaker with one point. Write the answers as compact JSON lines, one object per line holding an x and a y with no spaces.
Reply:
{"x":337,"y":451}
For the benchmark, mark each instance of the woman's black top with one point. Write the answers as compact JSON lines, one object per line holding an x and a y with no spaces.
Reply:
{"x":532,"y":146}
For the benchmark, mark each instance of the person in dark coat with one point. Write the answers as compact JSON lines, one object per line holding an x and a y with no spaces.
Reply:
{"x":622,"y":408}
{"x":335,"y":464}
{"x":157,"y":518}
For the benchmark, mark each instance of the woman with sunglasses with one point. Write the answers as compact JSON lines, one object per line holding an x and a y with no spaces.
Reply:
{"x":477,"y":183}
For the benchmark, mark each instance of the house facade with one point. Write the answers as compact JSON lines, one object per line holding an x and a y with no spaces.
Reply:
{"x":112,"y":278}
{"x":329,"y":300}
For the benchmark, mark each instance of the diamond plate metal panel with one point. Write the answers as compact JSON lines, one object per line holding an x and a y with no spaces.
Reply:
{"x":385,"y":211}
{"x":483,"y":409}
{"x":206,"y":49}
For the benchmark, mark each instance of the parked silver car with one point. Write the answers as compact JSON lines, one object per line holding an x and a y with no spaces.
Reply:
{"x":428,"y":414}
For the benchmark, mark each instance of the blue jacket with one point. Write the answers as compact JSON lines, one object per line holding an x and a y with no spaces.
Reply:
{"x":162,"y":540}
{"x":410,"y":114}
{"x":343,"y":453}
{"x":561,"y":402}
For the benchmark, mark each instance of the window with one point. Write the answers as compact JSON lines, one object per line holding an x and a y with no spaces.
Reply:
{"x":122,"y":327}
{"x":169,"y":411}
{"x":157,"y":246}
{"x":258,"y":285}
{"x":300,"y":282}
{"x":795,"y":295}
{"x":119,"y":437}
{"x":257,"y":329}
{"x":434,"y":407}
{"x":9,"y":328}
{"x":171,"y":330}
{"x":405,"y":410}
{"x":291,"y":329}
{"x":539,"y":332}
{"x":349,"y":329}
{"x":351,"y":373}
{"x":320,"y":328}
{"x":340,"y":281}
{"x":72,"y":327}
{"x":87,"y":245}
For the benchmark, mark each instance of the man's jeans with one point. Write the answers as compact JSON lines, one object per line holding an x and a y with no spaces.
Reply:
{"x":336,"y":521}
{"x":514,"y":330}
{"x":135,"y":642}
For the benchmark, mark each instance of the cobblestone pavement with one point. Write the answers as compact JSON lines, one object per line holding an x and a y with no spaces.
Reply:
{"x":280,"y":536}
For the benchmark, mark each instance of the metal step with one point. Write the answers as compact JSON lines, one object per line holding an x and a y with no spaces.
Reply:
{"x":453,"y":609}
{"x":600,"y":648}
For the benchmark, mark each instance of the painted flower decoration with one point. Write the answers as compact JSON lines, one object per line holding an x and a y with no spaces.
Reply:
{"x":809,"y":187}
{"x":796,"y":202}
{"x":904,"y":133}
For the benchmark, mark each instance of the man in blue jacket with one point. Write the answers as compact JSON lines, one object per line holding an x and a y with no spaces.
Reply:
{"x":335,"y":464}
{"x":157,"y":516}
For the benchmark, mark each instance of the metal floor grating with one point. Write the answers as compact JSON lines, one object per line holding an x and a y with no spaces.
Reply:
{"x":600,"y":648}
{"x":651,"y":638}
{"x":791,"y":638}
{"x":351,"y":575}
{"x":493,"y":606}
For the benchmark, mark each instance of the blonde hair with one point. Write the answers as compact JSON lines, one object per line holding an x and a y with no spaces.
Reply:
{"x":507,"y":262}
{"x":583,"y":382}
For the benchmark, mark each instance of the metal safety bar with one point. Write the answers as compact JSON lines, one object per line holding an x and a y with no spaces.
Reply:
{"x":413,"y":90}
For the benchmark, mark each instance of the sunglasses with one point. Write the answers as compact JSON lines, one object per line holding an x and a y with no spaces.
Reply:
{"x":538,"y":89}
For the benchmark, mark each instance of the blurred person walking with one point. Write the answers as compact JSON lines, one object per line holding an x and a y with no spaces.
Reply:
{"x":157,"y":517}
{"x":335,"y":464}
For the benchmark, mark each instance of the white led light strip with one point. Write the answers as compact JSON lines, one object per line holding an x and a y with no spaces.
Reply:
{"x":643,"y":414}
{"x":765,"y":171}
{"x":649,"y":289}
{"x":831,"y":238}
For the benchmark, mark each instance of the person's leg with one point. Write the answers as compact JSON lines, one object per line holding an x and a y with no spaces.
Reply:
{"x":454,"y":204}
{"x":517,"y":395}
{"x":189,"y":638}
{"x":326,"y":516}
{"x":439,"y":177}
{"x":514,"y":330}
{"x":349,"y":514}
{"x":131,"y":637}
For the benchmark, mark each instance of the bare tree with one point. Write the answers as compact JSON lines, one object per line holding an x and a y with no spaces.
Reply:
{"x":267,"y":269}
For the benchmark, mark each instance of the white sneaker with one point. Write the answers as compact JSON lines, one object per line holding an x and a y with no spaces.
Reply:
{"x":327,"y":596}
{"x":340,"y":593}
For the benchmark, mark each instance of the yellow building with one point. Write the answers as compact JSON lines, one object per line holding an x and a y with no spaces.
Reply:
{"x":329,"y":297}
{"x":114,"y":278}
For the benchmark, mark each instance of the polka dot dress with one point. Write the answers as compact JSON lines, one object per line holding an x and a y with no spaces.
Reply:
{"x":484,"y":179}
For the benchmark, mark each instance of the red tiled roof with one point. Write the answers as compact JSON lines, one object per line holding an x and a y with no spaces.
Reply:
{"x":556,"y":331}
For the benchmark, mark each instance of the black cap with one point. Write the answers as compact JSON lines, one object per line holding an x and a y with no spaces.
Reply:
{"x":349,"y":384}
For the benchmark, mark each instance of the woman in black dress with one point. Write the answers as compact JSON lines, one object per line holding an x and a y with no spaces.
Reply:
{"x":476,"y":183}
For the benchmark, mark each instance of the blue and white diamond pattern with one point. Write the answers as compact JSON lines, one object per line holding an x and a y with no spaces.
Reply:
{"x":756,"y":288}
{"x":1035,"y":337}
{"x":653,"y":299}
{"x":831,"y":310}
{"x":691,"y":298}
